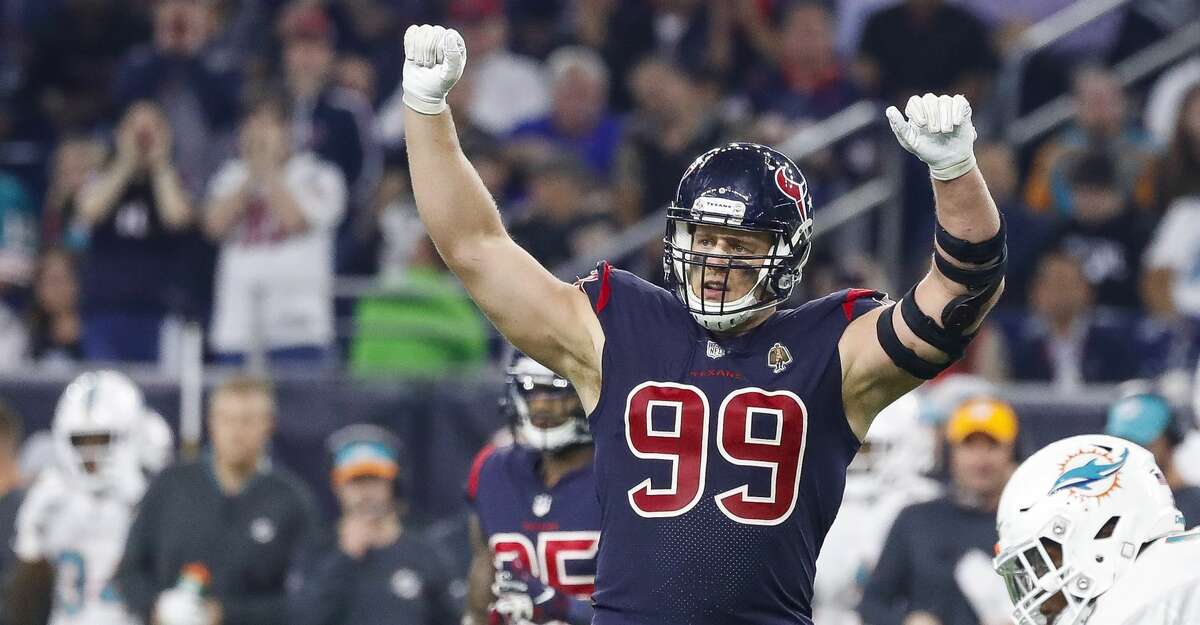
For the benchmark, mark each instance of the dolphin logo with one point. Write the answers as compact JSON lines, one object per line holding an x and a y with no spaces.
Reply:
{"x":1084,"y":476}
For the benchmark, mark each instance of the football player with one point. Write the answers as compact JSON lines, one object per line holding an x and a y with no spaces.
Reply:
{"x":1089,"y":534}
{"x":887,"y":475}
{"x":72,"y":525}
{"x":536,"y":522}
{"x":723,"y":425}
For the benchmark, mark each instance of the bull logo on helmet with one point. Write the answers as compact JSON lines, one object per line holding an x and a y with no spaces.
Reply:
{"x":792,"y":189}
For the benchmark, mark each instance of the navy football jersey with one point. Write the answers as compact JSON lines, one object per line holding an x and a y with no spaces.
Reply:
{"x":554,"y":532}
{"x":720,"y":462}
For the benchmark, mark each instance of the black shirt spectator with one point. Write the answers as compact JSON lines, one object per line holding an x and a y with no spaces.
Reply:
{"x":904,"y":50}
{"x":376,"y":571}
{"x":135,"y":209}
{"x":916,"y":579}
{"x":1104,"y":233}
{"x":244,"y":519}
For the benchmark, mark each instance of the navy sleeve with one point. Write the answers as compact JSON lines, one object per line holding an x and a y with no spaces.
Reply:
{"x":886,"y":598}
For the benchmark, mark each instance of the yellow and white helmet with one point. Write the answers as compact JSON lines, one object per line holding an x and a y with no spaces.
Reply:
{"x":1073,"y":519}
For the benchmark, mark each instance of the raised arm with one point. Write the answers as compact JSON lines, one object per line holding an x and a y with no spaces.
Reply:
{"x":546,"y":318}
{"x":891,"y":350}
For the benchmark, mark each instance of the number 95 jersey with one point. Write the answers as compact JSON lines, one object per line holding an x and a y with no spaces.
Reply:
{"x":720,"y":462}
{"x":553,"y":532}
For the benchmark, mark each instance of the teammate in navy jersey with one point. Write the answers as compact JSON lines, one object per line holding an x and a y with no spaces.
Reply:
{"x":536,"y":526}
{"x":722,"y":425}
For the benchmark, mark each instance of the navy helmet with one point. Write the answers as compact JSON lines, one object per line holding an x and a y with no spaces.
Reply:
{"x":744,"y":186}
{"x":528,"y":381}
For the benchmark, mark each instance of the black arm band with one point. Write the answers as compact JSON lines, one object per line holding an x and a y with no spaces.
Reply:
{"x":949,"y":340}
{"x":900,"y":354}
{"x":969,"y":253}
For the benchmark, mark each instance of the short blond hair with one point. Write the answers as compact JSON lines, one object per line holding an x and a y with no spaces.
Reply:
{"x":244,"y":384}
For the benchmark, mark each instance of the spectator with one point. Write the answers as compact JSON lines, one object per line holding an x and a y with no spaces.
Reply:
{"x":504,"y":88}
{"x":379,"y":571}
{"x":903,"y":51}
{"x":1104,"y":232}
{"x":12,"y":494}
{"x":275,"y":213}
{"x":623,"y":33}
{"x":196,"y":86}
{"x":75,"y":159}
{"x":674,"y":122}
{"x":1027,"y":232}
{"x":1147,"y":419}
{"x":810,"y":82}
{"x":422,"y":324}
{"x":934,"y":548}
{"x":18,"y":234}
{"x":76,"y":50}
{"x":1164,"y":101}
{"x":55,"y":326}
{"x":579,"y":121}
{"x":1171,"y":286}
{"x":334,"y":123}
{"x":556,"y":224}
{"x":16,"y":246}
{"x":1102,"y":124}
{"x":234,"y":512}
{"x":1065,"y":339}
{"x":133,"y":209}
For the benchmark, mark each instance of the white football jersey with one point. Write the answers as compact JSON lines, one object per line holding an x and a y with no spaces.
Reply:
{"x":1162,"y":588}
{"x":855,"y":540}
{"x":82,"y":535}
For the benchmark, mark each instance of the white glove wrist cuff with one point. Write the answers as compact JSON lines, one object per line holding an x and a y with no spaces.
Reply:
{"x":427,"y":107}
{"x":957,"y":170}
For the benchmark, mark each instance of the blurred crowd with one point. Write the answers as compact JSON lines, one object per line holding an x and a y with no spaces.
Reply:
{"x":240,"y":164}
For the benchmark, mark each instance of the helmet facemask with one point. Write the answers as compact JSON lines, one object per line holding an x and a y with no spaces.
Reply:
{"x":1037,"y":578}
{"x":547,"y":414}
{"x":774,"y":274}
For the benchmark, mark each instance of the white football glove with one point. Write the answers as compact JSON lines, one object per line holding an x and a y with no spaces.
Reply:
{"x":180,"y":607}
{"x":938,"y":131}
{"x":434,"y":58}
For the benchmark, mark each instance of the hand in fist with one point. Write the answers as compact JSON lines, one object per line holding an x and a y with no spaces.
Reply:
{"x":938,"y":131}
{"x":434,"y":58}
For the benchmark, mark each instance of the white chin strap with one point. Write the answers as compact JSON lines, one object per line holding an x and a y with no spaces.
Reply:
{"x":549,"y":439}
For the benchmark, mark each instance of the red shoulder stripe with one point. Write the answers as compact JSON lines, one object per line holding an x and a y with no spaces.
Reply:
{"x":605,"y":289}
{"x":853,"y":295}
{"x":477,"y":468}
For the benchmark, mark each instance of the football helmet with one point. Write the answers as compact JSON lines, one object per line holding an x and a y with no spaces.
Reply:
{"x":94,"y":429}
{"x":1073,"y":519}
{"x":898,"y":446}
{"x":155,"y":442}
{"x":530,"y":389}
{"x":744,"y":186}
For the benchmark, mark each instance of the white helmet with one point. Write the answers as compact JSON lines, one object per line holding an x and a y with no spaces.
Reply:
{"x":1073,"y":519}
{"x":898,"y":446}
{"x":527,"y":377}
{"x":155,"y":442}
{"x":94,"y":427}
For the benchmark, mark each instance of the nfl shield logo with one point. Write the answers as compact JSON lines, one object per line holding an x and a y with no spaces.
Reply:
{"x":541,"y":505}
{"x":778,"y":358}
{"x":714,"y":351}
